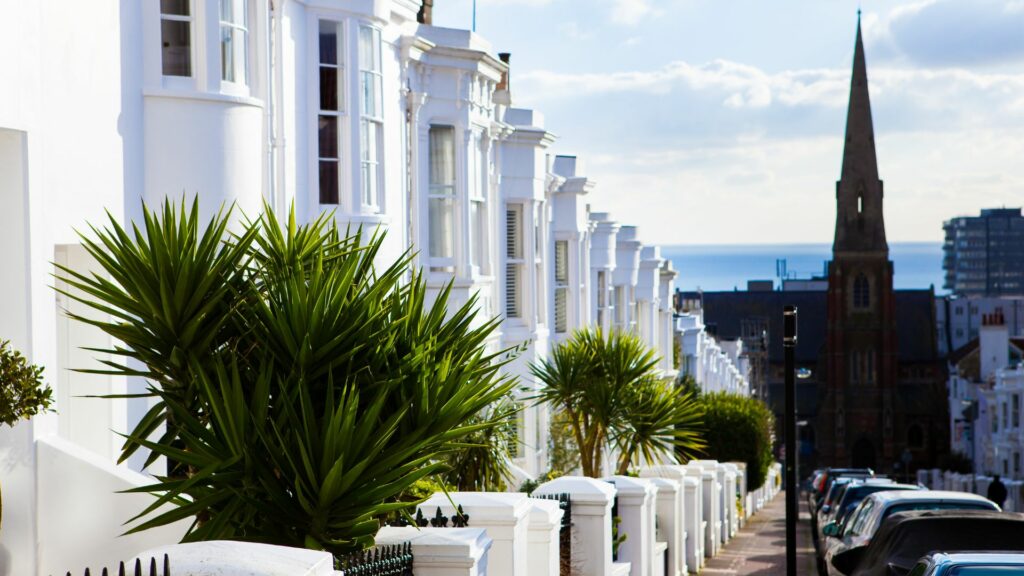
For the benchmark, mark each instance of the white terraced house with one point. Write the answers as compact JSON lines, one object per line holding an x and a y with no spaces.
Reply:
{"x":359,"y":108}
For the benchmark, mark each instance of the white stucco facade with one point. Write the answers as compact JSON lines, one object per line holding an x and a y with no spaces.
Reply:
{"x":344,"y":106}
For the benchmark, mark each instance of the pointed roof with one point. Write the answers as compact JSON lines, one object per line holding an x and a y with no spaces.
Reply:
{"x":860,"y":224}
{"x":859,"y":160}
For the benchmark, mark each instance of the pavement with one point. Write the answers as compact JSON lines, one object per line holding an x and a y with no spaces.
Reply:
{"x":759,"y":549}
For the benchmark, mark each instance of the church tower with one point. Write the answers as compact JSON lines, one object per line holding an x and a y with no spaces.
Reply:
{"x":855,"y":423}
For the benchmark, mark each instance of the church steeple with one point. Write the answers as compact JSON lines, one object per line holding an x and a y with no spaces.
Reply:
{"x":860,"y":226}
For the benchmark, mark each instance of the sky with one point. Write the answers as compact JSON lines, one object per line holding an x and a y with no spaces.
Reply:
{"x":722,"y":121}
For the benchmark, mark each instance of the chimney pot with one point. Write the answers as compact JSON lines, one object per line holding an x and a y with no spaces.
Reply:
{"x":504,"y":83}
{"x":426,"y":13}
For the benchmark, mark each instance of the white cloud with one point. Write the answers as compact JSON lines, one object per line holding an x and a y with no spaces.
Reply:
{"x":630,"y":12}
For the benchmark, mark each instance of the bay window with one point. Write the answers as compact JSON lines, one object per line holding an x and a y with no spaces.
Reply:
{"x":441,"y":198}
{"x":371,"y":117}
{"x":234,"y":41}
{"x":176,"y":37}
{"x":514,"y":261}
{"x":561,"y":286}
{"x":477,"y":208}
{"x":331,"y":104}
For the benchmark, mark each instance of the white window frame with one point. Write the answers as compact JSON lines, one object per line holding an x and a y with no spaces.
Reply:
{"x":371,"y":158}
{"x":236,"y":29}
{"x":190,"y":19}
{"x":478,"y":206}
{"x":447,"y":192}
{"x":340,"y":115}
{"x":539,"y":294}
{"x":515,"y":261}
{"x":561,"y":320}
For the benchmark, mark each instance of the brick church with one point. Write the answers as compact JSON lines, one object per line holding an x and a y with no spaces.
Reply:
{"x":875,"y":392}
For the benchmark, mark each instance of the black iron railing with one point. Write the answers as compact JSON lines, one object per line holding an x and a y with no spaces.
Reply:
{"x":164,"y":569}
{"x":391,"y":560}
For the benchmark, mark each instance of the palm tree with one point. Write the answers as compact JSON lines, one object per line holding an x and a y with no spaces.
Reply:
{"x":609,"y":387}
{"x":304,"y":388}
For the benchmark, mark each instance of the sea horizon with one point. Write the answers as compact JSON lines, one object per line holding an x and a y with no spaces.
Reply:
{"x":718,"y":267}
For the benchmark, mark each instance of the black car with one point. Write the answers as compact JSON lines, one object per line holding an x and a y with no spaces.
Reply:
{"x":907,"y":536}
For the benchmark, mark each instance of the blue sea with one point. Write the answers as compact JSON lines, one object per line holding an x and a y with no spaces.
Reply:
{"x":728,"y":267}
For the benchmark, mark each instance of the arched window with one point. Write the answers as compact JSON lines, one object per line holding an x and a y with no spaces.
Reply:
{"x":861,"y":291}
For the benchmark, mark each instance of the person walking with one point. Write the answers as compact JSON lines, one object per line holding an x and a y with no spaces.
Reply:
{"x":997,"y":491}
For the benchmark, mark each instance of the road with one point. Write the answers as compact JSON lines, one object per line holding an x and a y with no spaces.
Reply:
{"x":759,"y":549}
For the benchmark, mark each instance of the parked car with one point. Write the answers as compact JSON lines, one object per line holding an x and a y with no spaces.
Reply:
{"x":863,"y":522}
{"x":824,"y":485}
{"x":969,"y":564}
{"x":852,"y":495}
{"x":906,"y":536}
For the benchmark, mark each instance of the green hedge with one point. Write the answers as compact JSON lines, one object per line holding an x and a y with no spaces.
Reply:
{"x":739,"y":429}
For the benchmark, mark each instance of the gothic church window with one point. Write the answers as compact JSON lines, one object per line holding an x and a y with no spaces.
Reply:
{"x":861,"y":292}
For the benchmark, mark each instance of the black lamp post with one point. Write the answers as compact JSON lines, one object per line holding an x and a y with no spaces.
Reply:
{"x":789,"y":347}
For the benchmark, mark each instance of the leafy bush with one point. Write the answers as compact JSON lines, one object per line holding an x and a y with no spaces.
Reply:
{"x":739,"y":428}
{"x":304,"y":389}
{"x":22,"y":391}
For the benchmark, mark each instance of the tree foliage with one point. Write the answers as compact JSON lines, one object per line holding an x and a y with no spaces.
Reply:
{"x":609,"y":388}
{"x":23,"y":394}
{"x":739,"y":428}
{"x":304,"y":388}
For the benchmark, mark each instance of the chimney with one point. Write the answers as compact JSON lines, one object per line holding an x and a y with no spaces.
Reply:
{"x":502,"y":92}
{"x":993,"y":344}
{"x":426,"y":14}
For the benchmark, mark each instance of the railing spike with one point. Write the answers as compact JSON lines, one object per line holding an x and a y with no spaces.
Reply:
{"x":138,"y":567}
{"x":167,"y":565}
{"x":87,"y":573}
{"x":121,"y":569}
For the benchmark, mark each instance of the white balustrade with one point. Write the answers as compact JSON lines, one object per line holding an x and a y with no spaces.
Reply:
{"x":442,"y":551}
{"x":636,"y":508}
{"x":591,"y":523}
{"x":502,"y":514}
{"x":545,"y":522}
{"x":668,"y":525}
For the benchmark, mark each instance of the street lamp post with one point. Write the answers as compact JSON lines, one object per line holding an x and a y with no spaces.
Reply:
{"x":789,"y":347}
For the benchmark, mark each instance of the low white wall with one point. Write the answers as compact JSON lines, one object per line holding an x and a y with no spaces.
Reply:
{"x":81,"y":514}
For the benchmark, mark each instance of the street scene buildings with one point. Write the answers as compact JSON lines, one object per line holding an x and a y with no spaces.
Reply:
{"x":367,"y":114}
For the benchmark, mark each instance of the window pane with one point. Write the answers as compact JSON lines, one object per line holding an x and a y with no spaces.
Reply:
{"x":513,"y":232}
{"x":227,"y":10}
{"x":442,"y":228}
{"x":512,"y":292}
{"x":328,"y":182}
{"x":227,"y":53}
{"x":561,"y":309}
{"x":371,"y":97}
{"x":328,"y":136}
{"x":174,"y":7}
{"x":329,"y":88}
{"x":176,"y":52}
{"x":479,"y":222}
{"x":369,"y":184}
{"x":368,"y":38}
{"x":562,"y":262}
{"x":328,"y":42}
{"x":442,"y":158}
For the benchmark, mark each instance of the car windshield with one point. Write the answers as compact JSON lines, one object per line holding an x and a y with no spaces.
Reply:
{"x":911,"y":506}
{"x":986,"y":570}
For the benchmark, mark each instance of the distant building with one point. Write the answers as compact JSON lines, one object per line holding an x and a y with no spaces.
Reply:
{"x":984,"y":255}
{"x":959,"y":319}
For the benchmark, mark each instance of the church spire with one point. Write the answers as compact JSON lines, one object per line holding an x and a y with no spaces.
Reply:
{"x":859,"y":223}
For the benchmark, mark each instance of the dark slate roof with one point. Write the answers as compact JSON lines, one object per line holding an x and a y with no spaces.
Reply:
{"x":724,"y":313}
{"x":915,"y":323}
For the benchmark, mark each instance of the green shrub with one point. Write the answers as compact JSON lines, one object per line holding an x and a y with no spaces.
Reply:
{"x":739,"y":428}
{"x":22,"y":391}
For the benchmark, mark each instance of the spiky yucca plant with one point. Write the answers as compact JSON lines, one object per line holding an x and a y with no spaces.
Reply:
{"x":303,"y":388}
{"x":608,"y":386}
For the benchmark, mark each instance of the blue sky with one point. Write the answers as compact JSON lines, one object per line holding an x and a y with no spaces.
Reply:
{"x":721,"y":121}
